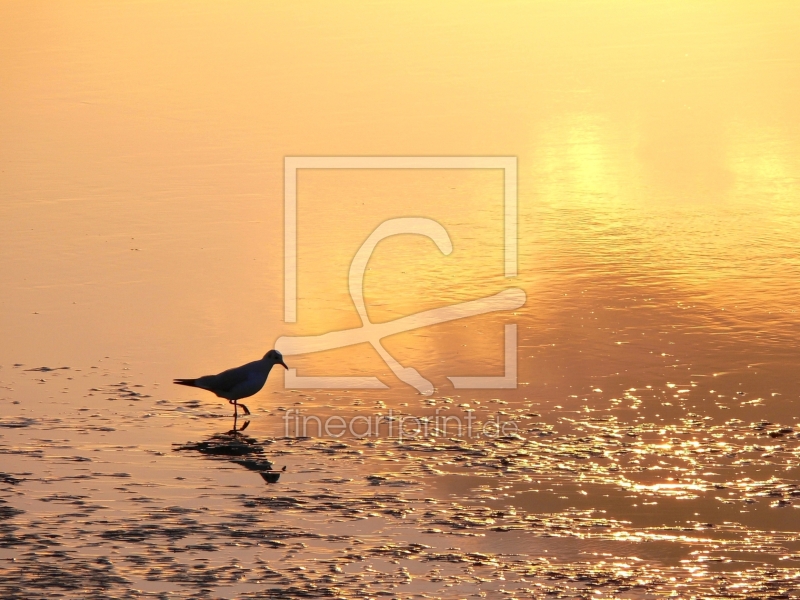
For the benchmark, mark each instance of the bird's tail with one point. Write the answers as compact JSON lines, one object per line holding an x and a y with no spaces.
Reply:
{"x":189,"y":382}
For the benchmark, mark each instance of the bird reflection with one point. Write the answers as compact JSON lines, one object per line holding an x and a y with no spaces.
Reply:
{"x":236,"y":447}
{"x":244,"y":425}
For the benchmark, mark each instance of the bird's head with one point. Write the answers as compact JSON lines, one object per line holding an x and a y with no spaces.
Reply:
{"x":276,"y":358}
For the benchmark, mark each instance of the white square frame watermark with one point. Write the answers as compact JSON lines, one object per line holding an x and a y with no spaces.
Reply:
{"x":515,"y":297}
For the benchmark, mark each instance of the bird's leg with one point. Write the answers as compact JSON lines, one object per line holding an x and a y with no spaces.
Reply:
{"x":246,"y":410}
{"x":235,"y":406}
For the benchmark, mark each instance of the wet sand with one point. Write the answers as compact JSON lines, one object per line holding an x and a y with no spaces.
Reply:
{"x":135,"y":494}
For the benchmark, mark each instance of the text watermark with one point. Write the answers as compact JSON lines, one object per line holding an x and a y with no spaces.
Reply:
{"x":402,"y":426}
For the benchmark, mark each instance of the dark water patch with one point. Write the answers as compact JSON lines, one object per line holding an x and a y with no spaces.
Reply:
{"x":17,"y":422}
{"x":9,"y":479}
{"x":335,"y":480}
{"x":70,"y":499}
{"x":8,"y":512}
{"x":30,"y":452}
{"x":390,"y":479}
{"x":73,"y":458}
{"x":37,"y":572}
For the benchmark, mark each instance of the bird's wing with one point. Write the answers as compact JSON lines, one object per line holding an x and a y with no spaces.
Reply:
{"x":227,"y":380}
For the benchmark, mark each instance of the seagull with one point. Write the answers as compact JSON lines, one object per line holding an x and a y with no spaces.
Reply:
{"x":239,"y":382}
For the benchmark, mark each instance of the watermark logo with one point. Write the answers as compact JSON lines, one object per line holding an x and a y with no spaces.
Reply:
{"x":372,"y":333}
{"x":400,"y":427}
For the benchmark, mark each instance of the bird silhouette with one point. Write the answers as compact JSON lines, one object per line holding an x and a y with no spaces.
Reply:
{"x":239,"y":382}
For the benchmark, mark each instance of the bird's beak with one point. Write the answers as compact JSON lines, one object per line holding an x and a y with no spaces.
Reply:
{"x":284,"y":365}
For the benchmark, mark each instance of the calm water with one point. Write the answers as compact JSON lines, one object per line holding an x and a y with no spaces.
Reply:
{"x":656,"y":445}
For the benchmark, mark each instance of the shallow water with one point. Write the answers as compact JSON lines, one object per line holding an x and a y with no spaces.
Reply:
{"x":652,"y":442}
{"x":99,"y":499}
